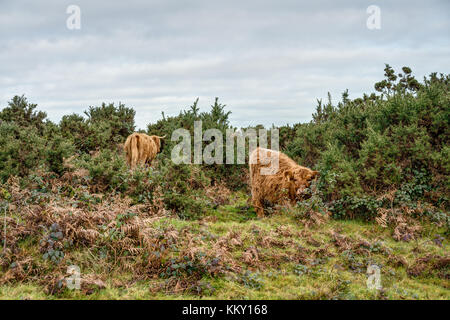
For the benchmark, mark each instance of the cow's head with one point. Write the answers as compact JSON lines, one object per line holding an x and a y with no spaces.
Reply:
{"x":158,"y":141}
{"x":299,"y":179}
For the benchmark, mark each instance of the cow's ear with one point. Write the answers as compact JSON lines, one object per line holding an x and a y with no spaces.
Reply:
{"x":156,"y":140}
{"x":288,"y":175}
{"x":302,"y":174}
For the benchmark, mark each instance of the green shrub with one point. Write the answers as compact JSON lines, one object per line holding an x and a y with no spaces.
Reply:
{"x":58,"y":149}
{"x":351,"y":207}
{"x":183,"y":189}
{"x":105,"y":127}
{"x":368,"y":146}
{"x":76,"y":129}
{"x":216,"y":118}
{"x":23,"y":114}
{"x":394,"y":142}
{"x":21,"y":150}
{"x":107,"y":170}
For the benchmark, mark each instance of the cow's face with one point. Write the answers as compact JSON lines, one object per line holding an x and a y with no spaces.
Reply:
{"x":299,"y":179}
{"x":161,"y":144}
{"x":157,"y":141}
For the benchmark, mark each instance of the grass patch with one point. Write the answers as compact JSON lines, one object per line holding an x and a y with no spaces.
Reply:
{"x":276,"y":257}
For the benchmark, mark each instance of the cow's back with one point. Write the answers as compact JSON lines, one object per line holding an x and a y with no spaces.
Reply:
{"x":139,"y":148}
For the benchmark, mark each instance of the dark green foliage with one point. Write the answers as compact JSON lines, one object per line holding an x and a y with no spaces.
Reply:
{"x":216,"y":118}
{"x":251,"y":280}
{"x":371,"y":145}
{"x":23,"y":114}
{"x":28,"y":141}
{"x":105,"y":127}
{"x":110,"y":124}
{"x":364,"y":207}
{"x":183,"y":187}
{"x":106,"y":169}
{"x":405,"y":82}
{"x":21,"y":150}
{"x":392,"y":143}
{"x":75,"y":128}
{"x":51,"y":244}
{"x":57,"y":150}
{"x":197,"y":266}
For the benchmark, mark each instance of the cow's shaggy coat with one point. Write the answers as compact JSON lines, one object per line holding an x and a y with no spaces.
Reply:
{"x":288,"y":183}
{"x":141,"y":148}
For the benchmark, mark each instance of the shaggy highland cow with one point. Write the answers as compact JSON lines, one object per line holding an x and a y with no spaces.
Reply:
{"x":141,"y":148}
{"x":288,"y":182}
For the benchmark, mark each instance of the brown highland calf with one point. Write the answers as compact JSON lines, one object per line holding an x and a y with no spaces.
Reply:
{"x":288,"y":182}
{"x":141,"y":148}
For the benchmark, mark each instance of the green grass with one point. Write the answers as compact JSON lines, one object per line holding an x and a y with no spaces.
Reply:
{"x":293,"y":262}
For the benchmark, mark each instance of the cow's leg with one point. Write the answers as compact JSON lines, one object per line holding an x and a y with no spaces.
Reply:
{"x":260,"y":212}
{"x":258,"y":205}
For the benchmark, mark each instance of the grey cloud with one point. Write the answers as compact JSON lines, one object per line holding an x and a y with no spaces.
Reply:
{"x":267,"y":60}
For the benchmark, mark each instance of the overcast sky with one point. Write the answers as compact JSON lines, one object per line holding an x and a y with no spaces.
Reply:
{"x":268,"y":61}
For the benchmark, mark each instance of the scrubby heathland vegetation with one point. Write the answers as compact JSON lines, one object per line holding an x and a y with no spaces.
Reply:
{"x":171,"y":230}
